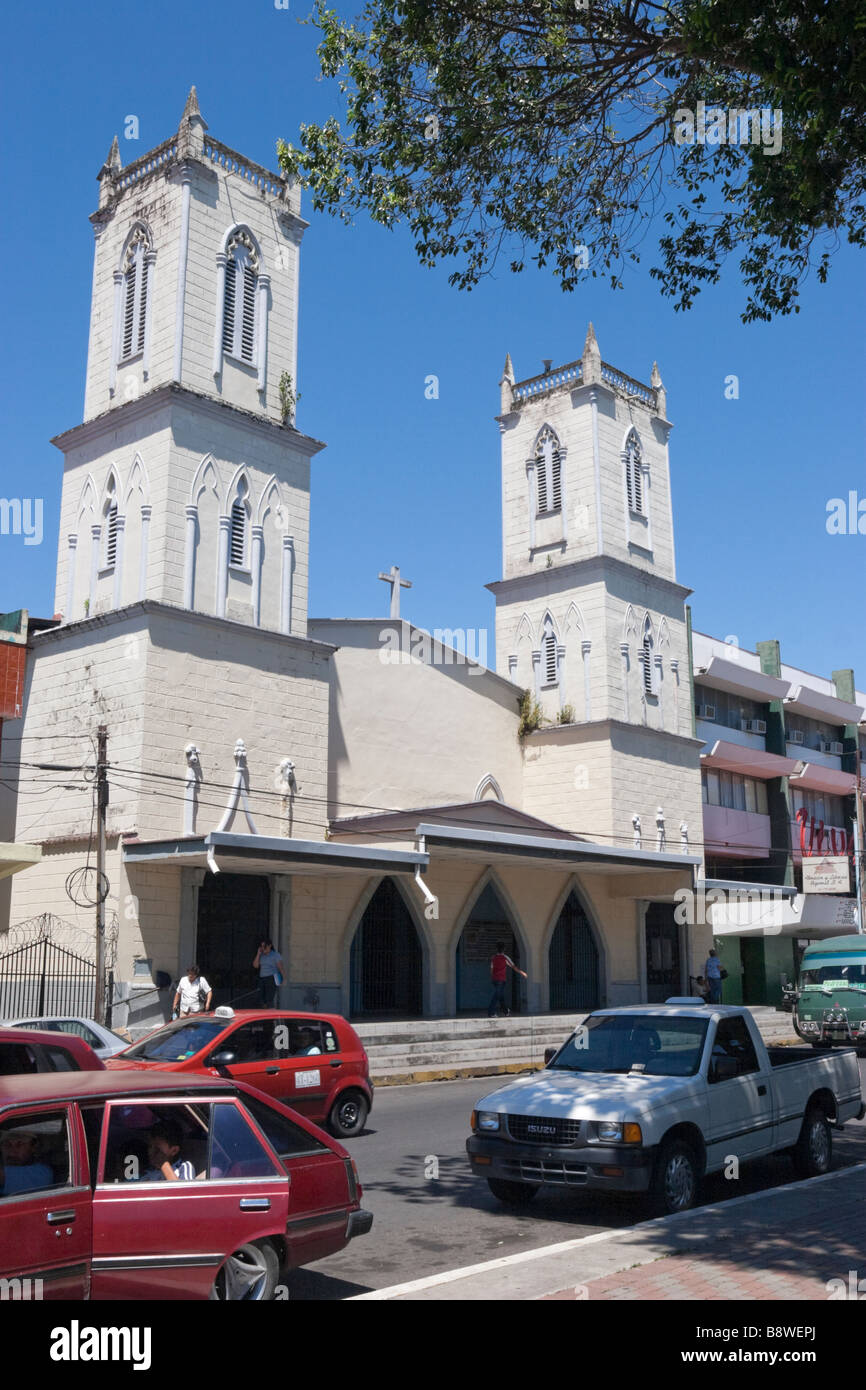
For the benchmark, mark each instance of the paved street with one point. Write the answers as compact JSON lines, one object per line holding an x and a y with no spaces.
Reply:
{"x":424,"y":1225}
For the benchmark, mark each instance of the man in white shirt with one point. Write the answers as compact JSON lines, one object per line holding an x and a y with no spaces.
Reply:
{"x":191,"y":990}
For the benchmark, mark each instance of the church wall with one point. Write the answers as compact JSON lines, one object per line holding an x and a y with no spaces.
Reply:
{"x":577,"y":611}
{"x":567,"y":779}
{"x":630,"y":599}
{"x":211,"y":683}
{"x":615,"y":417}
{"x":405,"y":734}
{"x":652,"y":772}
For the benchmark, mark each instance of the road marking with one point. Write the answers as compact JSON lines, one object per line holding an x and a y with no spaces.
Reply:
{"x":524,"y":1256}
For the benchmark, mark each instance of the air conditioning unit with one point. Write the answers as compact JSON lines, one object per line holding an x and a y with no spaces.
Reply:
{"x":757,"y":726}
{"x":835,"y":748}
{"x":796,"y":736}
{"x":706,"y":712}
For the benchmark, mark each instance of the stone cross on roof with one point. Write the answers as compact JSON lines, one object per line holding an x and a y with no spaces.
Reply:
{"x":396,"y":585}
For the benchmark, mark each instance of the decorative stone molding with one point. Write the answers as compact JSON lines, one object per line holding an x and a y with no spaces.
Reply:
{"x":239,"y":794}
{"x":661,"y":837}
{"x":488,"y":783}
{"x":635,"y":820}
{"x":191,"y":788}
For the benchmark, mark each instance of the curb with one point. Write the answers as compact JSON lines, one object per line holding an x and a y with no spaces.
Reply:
{"x":631,"y":1257}
{"x":404,"y":1078}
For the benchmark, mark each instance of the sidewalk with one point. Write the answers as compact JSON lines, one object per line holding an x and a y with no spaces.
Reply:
{"x":786,"y":1243}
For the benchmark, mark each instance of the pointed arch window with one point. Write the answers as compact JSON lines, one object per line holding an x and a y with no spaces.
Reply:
{"x":136,"y":270}
{"x":633,"y":461}
{"x":109,"y":529}
{"x":650,"y":675}
{"x":548,"y":472}
{"x":239,"y":531}
{"x":239,"y":305}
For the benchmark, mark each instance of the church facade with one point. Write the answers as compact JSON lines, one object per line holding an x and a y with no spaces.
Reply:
{"x":384,"y":808}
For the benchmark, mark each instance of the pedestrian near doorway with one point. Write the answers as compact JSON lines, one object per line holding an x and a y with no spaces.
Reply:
{"x":500,"y":964}
{"x":269,"y":964}
{"x":193,"y":994}
{"x":714,"y":974}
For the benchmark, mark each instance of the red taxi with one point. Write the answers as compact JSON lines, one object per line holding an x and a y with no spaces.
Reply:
{"x":315,"y":1063}
{"x":148,"y":1186}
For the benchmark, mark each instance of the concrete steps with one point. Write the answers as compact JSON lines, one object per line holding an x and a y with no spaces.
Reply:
{"x":436,"y":1049}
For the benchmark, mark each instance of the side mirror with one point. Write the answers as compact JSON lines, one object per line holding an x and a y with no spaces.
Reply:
{"x":226,"y":1058}
{"x":549,"y":1054}
{"x":724,"y":1069}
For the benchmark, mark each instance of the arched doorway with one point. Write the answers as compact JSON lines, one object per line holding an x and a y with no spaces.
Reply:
{"x":488,"y":924}
{"x":233,"y":919}
{"x":573,"y":961}
{"x":387,"y":964}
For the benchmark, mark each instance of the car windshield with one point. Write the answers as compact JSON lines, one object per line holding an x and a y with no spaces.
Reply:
{"x":177,"y":1041}
{"x":645,"y":1044}
{"x":836,"y":976}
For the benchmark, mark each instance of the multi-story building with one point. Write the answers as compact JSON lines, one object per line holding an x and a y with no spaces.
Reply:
{"x":779,"y":772}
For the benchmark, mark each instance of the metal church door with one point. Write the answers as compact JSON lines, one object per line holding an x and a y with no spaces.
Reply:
{"x":233,"y":918}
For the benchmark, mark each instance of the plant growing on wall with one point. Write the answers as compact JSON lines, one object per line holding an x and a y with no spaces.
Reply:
{"x":566,"y":715}
{"x":289,"y":398}
{"x":531,"y":717}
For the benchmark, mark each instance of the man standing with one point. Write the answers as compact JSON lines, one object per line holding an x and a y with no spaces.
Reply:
{"x":269,"y":964}
{"x":193,"y":994}
{"x":500,"y":964}
{"x":713,"y":976}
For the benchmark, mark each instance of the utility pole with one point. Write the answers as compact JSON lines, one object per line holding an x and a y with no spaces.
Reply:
{"x":101,"y":881}
{"x":859,"y":865}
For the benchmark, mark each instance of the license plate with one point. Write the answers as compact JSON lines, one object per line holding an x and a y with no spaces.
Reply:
{"x":307,"y":1078}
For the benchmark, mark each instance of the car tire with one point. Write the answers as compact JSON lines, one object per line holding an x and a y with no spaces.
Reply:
{"x":513,"y":1194}
{"x":249,"y":1275}
{"x":813,"y":1151}
{"x":676,"y":1177}
{"x":348,"y":1114}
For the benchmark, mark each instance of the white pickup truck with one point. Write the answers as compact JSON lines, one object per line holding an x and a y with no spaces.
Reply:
{"x":651,"y":1097}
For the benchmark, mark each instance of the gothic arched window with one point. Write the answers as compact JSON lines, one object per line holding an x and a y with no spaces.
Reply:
{"x":239,"y":307}
{"x":548,"y":472}
{"x":239,"y":549}
{"x":650,"y":675}
{"x":633,"y":458}
{"x":109,"y":528}
{"x":135,"y":288}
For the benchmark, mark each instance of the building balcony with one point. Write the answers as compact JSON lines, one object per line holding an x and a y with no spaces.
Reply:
{"x":711,"y":733}
{"x":738,"y":834}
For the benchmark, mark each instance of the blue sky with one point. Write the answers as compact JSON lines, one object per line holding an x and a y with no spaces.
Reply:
{"x":404,"y":479}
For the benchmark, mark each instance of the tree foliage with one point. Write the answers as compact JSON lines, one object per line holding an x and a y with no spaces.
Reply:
{"x":546,"y":130}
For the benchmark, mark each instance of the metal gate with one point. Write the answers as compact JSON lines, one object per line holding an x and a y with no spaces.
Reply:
{"x":40,"y":977}
{"x":573,"y":961}
{"x":386,"y":958}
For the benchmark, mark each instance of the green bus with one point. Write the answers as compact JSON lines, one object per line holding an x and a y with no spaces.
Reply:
{"x":830,"y":1000}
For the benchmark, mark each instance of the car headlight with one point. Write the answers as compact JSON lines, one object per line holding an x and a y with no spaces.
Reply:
{"x":485,"y":1119}
{"x":609,"y":1132}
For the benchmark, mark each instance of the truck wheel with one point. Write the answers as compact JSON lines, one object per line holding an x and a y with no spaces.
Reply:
{"x":513,"y":1194}
{"x":813,"y":1151}
{"x":675,"y":1184}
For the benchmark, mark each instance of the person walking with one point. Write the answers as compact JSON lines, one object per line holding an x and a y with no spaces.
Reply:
{"x":713,"y":976}
{"x":269,"y":964}
{"x":500,"y":964}
{"x":193,"y":994}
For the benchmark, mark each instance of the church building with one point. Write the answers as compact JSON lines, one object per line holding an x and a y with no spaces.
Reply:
{"x":384,"y":807}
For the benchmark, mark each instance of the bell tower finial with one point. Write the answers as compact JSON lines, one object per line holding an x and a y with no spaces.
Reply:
{"x":190,"y":133}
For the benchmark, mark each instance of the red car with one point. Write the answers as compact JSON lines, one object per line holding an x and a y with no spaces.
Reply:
{"x":315,"y":1063}
{"x":23,"y":1052}
{"x":150,"y":1186}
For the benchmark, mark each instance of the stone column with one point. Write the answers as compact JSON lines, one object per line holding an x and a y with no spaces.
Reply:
{"x":186,"y":182}
{"x":189,"y":556}
{"x":115,"y":331}
{"x":256,"y":558}
{"x":150,"y":263}
{"x":145,"y":539}
{"x":262,"y":329}
{"x":585,"y":649}
{"x":530,"y":478}
{"x":288,"y":570}
{"x":217,"y":366}
{"x":536,"y":674}
{"x":72,"y":551}
{"x":624,"y":653}
{"x":225,"y":523}
{"x":95,"y":532}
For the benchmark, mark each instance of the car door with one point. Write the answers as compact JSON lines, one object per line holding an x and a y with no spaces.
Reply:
{"x":259,"y":1051}
{"x":740,"y":1120}
{"x":158,"y":1239}
{"x":310,"y":1065}
{"x":45,"y":1205}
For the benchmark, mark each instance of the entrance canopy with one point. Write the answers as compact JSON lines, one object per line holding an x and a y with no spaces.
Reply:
{"x":262,"y":854}
{"x":14,"y":858}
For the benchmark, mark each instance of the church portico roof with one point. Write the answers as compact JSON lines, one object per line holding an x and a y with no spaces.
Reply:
{"x":262,"y":854}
